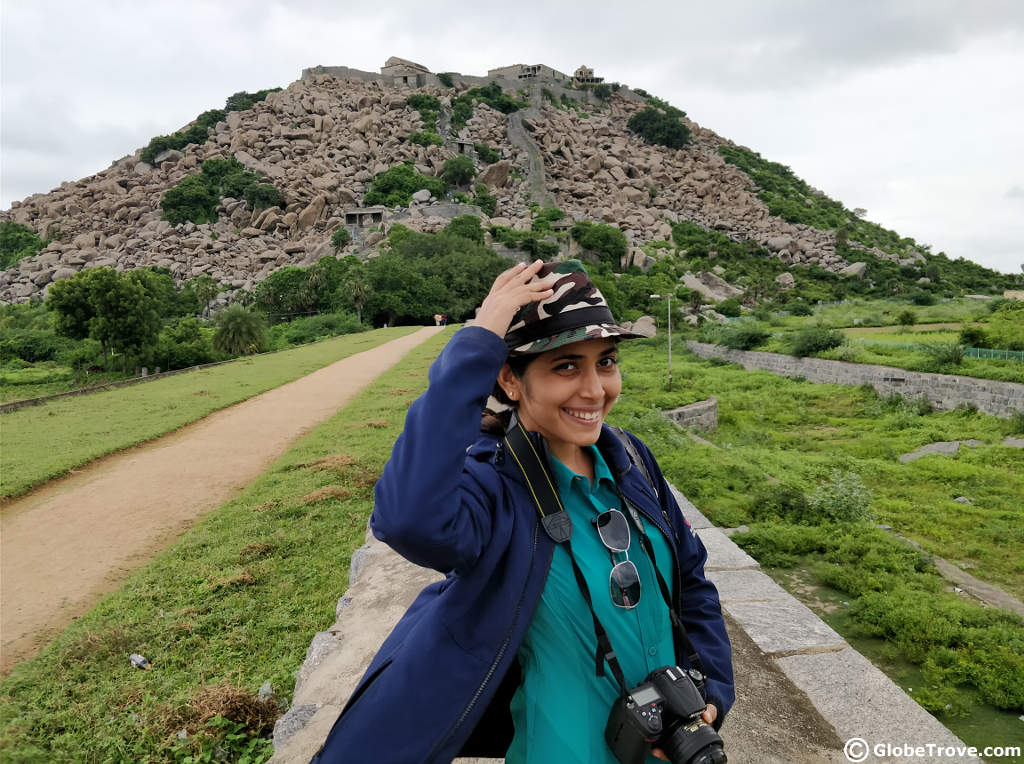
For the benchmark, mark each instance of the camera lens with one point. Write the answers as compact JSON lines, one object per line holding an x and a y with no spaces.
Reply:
{"x":700,"y":746}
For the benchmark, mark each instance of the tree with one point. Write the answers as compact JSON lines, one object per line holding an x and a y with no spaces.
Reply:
{"x":16,"y":242}
{"x":239,"y":331}
{"x":205,"y":288}
{"x":655,"y":126}
{"x":354,"y":291}
{"x":458,"y":171}
{"x":116,"y":311}
{"x":285,"y":291}
{"x":602,"y":92}
{"x":467,"y":226}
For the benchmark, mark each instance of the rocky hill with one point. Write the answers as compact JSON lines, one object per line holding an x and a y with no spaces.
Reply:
{"x":323,"y":139}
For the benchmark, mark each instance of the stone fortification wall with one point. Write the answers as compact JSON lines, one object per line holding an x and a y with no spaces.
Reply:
{"x":702,"y":415}
{"x":944,"y":391}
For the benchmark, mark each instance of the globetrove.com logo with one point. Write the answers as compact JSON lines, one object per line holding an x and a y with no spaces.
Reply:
{"x":857,"y":750}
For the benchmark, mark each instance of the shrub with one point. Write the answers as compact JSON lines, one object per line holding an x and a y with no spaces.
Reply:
{"x":1006,"y":326}
{"x":608,"y":241}
{"x":973,"y":337}
{"x":922,"y":297}
{"x":906,"y":318}
{"x":340,"y":239}
{"x":542,"y":222}
{"x":743,"y":336}
{"x":17,"y":241}
{"x":843,"y":498}
{"x":602,"y":91}
{"x":242,"y":100}
{"x":655,"y":126}
{"x":261,"y":195}
{"x":420,"y":101}
{"x":467,"y":226}
{"x":445,"y":78}
{"x":193,"y":199}
{"x":239,"y":331}
{"x":799,"y":308}
{"x":458,"y":171}
{"x":729,"y":307}
{"x":783,"y":502}
{"x":485,"y":200}
{"x":486,"y":153}
{"x":426,"y":139}
{"x":394,"y":187}
{"x":1016,"y":423}
{"x":814,"y":339}
{"x":943,"y":354}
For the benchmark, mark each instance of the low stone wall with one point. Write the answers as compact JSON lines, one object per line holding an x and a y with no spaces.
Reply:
{"x":702,"y":415}
{"x":944,"y":391}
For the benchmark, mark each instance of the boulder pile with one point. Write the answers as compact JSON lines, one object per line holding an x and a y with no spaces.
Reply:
{"x":322,"y":140}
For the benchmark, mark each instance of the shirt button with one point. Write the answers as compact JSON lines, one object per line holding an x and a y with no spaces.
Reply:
{"x":652,"y":651}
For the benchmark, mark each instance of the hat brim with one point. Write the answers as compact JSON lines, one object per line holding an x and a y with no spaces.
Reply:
{"x":578,"y":334}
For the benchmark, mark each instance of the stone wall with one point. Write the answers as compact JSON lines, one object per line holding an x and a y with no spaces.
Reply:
{"x":944,"y":391}
{"x":702,"y":415}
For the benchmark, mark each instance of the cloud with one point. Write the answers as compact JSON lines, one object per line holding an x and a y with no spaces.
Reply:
{"x":1015,"y":192}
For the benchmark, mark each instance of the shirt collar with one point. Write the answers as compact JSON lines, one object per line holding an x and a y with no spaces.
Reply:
{"x":564,"y":476}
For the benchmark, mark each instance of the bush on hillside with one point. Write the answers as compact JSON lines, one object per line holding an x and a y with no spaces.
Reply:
{"x":262,"y":195}
{"x":17,"y":241}
{"x":799,"y":308}
{"x":445,"y":78}
{"x":458,"y":171}
{"x":922,"y":297}
{"x":485,"y":200}
{"x":815,"y":339}
{"x":468,"y":227}
{"x":426,"y":139}
{"x":340,"y":239}
{"x":742,"y":336}
{"x":486,"y":153}
{"x":608,"y":241}
{"x":655,"y":126}
{"x":394,"y":187}
{"x":730,"y":307}
{"x":1006,"y":326}
{"x":973,"y":337}
{"x":191,"y":200}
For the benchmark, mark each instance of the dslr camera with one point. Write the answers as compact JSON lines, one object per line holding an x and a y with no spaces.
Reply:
{"x":664,"y":712}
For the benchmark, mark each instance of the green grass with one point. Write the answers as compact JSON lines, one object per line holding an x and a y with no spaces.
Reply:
{"x":236,"y":599}
{"x":884,"y":312}
{"x":798,"y":433}
{"x":898,"y":336}
{"x":44,"y":442}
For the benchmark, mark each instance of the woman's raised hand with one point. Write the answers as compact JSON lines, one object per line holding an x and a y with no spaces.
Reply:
{"x":511,"y":291}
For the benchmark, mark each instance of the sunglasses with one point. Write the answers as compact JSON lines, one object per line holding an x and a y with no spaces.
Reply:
{"x":624,"y":581}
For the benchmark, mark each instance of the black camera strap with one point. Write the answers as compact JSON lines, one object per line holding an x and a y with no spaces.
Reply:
{"x":558,"y":525}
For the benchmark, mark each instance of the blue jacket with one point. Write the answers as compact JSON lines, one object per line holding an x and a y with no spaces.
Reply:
{"x":448,"y":499}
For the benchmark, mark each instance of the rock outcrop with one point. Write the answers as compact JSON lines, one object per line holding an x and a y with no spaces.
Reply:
{"x":322,"y":140}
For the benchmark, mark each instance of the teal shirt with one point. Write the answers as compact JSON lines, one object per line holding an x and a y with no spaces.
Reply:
{"x":561,"y":707}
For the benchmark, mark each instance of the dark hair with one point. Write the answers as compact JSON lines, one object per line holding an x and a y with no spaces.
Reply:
{"x":496,"y":422}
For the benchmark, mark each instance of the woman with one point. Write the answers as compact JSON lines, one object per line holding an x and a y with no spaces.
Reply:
{"x":498,"y":659}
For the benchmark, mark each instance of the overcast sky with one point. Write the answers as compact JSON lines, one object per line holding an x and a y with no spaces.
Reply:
{"x":912,"y":110}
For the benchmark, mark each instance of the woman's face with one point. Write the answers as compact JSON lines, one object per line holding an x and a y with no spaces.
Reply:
{"x":566,"y":393}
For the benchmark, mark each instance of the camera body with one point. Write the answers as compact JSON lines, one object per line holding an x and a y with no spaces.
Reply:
{"x":664,"y":711}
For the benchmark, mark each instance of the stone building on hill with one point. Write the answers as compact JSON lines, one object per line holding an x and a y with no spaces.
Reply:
{"x":399,"y":71}
{"x":530,"y":73}
{"x":585,"y":76}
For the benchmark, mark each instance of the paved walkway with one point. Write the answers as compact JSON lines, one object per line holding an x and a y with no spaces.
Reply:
{"x":71,"y":542}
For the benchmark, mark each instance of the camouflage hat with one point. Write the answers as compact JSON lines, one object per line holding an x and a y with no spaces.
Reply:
{"x":575,"y":311}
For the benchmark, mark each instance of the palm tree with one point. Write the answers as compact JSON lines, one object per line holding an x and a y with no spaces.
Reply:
{"x":239,"y":331}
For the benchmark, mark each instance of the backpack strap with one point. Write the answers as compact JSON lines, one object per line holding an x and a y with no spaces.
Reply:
{"x":634,"y":456}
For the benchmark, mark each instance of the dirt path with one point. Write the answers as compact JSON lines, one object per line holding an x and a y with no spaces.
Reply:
{"x":69,"y":543}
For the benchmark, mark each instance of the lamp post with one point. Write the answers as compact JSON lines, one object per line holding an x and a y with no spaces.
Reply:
{"x":669,"y":298}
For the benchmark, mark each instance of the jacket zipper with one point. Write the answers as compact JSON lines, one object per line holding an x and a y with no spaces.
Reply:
{"x":498,"y":657}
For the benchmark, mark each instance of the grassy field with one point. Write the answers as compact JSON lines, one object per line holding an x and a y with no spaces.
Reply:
{"x":883,"y":312}
{"x":780,"y":440}
{"x":231,"y":605}
{"x":44,"y":442}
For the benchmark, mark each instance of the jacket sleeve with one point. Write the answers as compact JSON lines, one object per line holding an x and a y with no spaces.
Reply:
{"x":701,"y":610}
{"x":428,"y":507}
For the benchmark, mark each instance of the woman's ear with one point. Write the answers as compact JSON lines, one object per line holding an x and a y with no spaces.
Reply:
{"x":509,"y":383}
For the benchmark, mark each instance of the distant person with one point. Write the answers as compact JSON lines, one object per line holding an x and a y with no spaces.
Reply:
{"x":502,"y":657}
{"x":437,"y":319}
{"x":444,"y":319}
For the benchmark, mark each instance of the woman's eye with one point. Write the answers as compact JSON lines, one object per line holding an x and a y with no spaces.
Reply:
{"x":567,"y":366}
{"x":608,"y":362}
